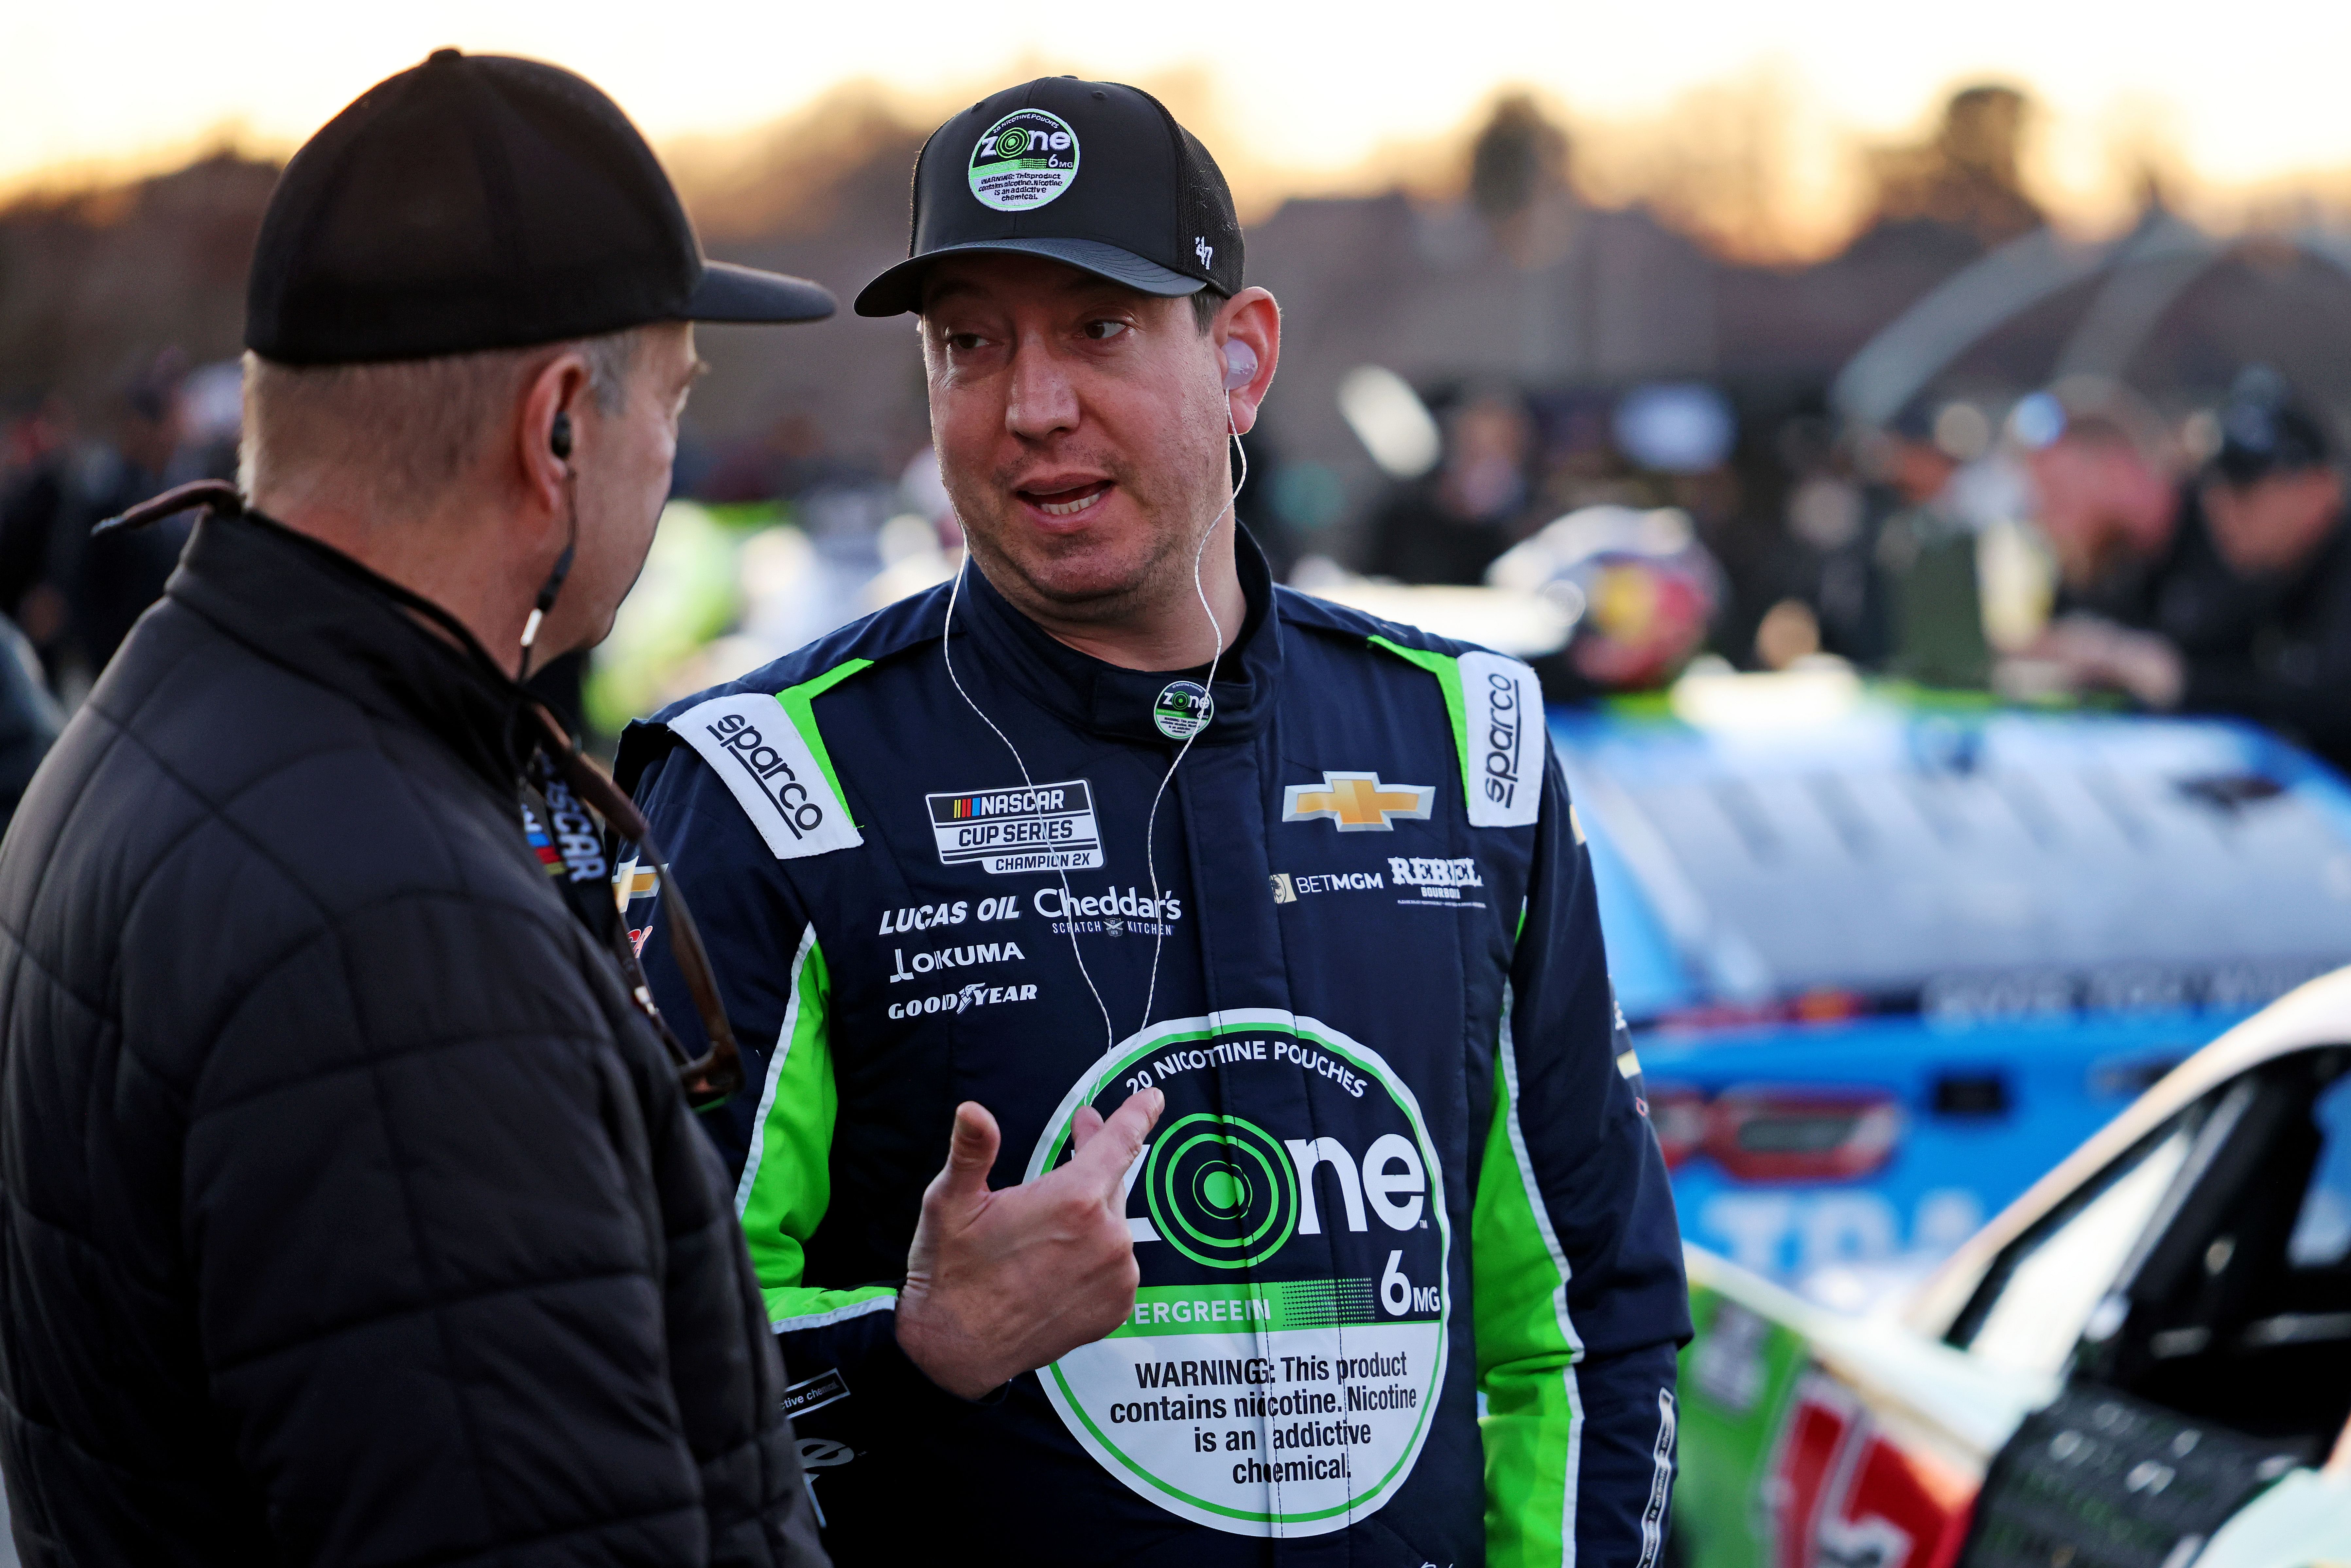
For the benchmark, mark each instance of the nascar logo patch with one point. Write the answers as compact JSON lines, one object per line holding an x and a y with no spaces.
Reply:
{"x":1035,"y":826}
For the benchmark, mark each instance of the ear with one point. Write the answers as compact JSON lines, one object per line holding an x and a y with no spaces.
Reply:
{"x":559,"y":386}
{"x":1252,"y":318}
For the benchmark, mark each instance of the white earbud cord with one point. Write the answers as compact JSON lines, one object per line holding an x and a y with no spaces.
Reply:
{"x":1110,"y":1037}
{"x":1151,"y":823}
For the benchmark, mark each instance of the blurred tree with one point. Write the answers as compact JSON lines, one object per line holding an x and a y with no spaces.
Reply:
{"x":1965,"y":176}
{"x":1518,"y":154}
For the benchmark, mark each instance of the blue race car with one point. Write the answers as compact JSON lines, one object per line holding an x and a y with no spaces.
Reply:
{"x":1885,"y":962}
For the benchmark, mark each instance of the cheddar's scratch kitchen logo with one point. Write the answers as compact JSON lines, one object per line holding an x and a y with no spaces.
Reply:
{"x":1113,"y":912}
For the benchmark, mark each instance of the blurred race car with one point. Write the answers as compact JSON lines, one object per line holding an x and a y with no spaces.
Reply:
{"x":1884,"y":962}
{"x":2143,"y":1362}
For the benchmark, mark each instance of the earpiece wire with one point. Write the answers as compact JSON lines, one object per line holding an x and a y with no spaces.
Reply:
{"x":1151,"y":823}
{"x":946,"y":628}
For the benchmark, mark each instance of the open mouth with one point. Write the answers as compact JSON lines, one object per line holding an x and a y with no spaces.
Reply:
{"x":1066,"y":503}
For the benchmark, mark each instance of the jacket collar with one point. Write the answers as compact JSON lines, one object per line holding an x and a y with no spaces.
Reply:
{"x":323,"y":616}
{"x":1109,"y":701}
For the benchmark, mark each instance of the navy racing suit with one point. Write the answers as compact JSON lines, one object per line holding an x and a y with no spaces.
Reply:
{"x":1403,"y":1160}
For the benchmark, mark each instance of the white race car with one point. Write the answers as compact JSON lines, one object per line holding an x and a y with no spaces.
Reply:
{"x":2145,"y":1361}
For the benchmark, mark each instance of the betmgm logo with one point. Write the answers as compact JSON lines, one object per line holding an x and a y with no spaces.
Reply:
{"x":1226,"y":1194}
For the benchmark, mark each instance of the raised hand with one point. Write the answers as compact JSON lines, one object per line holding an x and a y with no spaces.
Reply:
{"x":1002,"y":1282}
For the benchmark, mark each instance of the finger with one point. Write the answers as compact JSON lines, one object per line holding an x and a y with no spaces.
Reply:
{"x":1083,"y":1126}
{"x":1113,"y":1149}
{"x":971,"y":1152}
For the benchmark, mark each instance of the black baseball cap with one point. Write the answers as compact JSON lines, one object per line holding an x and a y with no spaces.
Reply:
{"x":1091,"y":173}
{"x":482,"y":201}
{"x":2263,"y":431}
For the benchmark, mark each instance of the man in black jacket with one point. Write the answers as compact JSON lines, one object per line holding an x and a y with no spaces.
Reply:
{"x":353,"y":1212}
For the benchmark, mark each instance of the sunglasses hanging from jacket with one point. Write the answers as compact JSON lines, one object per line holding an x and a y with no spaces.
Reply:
{"x":573,"y":823}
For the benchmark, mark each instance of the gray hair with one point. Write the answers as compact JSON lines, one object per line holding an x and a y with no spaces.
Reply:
{"x":404,"y":429}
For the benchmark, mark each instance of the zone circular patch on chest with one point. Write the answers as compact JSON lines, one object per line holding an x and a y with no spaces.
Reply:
{"x":1281,"y":1368}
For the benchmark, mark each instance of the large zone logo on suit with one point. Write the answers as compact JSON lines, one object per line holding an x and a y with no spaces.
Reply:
{"x":1288,"y":1345}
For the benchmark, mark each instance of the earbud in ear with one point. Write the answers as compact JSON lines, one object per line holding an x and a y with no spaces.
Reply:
{"x":558,"y":436}
{"x":1240,"y":365}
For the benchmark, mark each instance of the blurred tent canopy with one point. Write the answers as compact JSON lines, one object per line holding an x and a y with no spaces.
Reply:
{"x":2169,"y":309}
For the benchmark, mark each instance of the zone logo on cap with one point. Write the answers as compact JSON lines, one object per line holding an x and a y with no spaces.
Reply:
{"x":1024,"y":161}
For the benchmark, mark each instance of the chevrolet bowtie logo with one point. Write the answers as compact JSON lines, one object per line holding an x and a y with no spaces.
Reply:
{"x":1358,"y":803}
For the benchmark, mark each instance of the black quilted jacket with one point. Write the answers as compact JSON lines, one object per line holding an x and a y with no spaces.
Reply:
{"x":347,"y":1214}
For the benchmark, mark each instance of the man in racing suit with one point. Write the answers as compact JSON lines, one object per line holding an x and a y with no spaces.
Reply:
{"x":1017,"y":844}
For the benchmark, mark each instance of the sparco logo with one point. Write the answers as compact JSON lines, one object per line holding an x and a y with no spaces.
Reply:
{"x":769,"y":773}
{"x":1501,"y":740}
{"x":1503,"y":720}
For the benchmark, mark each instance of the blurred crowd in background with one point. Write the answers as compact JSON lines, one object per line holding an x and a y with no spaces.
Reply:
{"x":1966,"y":452}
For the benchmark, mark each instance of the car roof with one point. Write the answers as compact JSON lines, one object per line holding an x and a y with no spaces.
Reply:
{"x":1974,"y":862}
{"x":2310,"y":1017}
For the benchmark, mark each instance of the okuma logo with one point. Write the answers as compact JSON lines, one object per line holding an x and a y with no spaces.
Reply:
{"x":1287,"y":1346}
{"x":1024,"y":161}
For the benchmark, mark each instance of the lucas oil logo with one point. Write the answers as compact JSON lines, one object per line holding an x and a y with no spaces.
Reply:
{"x":1039,"y":827}
{"x":751,"y":743}
{"x":1025,"y":160}
{"x":1287,"y":1347}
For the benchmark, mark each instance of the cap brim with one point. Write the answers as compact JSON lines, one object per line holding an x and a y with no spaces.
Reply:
{"x":731,"y":293}
{"x":900,"y":290}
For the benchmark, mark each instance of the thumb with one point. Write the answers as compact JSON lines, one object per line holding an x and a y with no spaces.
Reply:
{"x":971,"y":1153}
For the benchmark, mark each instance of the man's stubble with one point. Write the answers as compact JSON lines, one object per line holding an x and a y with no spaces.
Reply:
{"x":1177,"y":519}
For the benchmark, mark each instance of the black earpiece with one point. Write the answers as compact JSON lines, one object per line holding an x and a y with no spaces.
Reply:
{"x":558,"y":440}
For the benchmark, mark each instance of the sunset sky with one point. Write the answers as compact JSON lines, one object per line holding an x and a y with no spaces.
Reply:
{"x":2243,"y":95}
